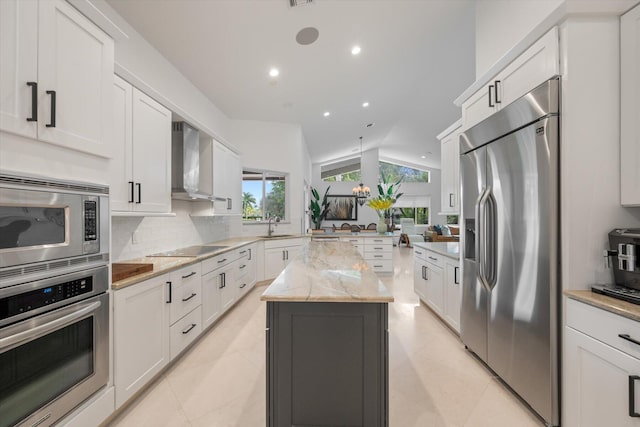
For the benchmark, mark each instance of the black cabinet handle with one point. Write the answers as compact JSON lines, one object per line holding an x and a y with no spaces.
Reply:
{"x":418,"y":252}
{"x":139,"y":192}
{"x":243,"y":266}
{"x":189,"y":275}
{"x":169,"y":302}
{"x":221,"y":281}
{"x":491,"y":104}
{"x":497,"y":82}
{"x":450,"y":200}
{"x":189,"y":297}
{"x":34,"y":102}
{"x":53,"y":109}
{"x":249,"y":254}
{"x":186,"y":331}
{"x":455,"y":276}
{"x":131,"y":191}
{"x":243,"y":285}
{"x":222,"y":260}
{"x":632,"y":396}
{"x":283,"y":258}
{"x":435,"y":259}
{"x":424,"y":272}
{"x":287,"y":255}
{"x":628,"y":338}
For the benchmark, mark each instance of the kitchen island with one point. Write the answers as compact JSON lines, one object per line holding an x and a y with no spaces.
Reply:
{"x":327,"y":341}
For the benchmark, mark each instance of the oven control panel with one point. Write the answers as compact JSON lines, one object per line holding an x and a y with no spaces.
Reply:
{"x":32,"y":300}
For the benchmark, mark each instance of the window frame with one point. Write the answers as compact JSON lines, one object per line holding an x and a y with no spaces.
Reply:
{"x":267,"y":173}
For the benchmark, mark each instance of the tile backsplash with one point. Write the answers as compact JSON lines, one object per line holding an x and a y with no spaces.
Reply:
{"x":158,"y":234}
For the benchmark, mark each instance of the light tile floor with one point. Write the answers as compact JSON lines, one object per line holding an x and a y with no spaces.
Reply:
{"x":434,"y":381}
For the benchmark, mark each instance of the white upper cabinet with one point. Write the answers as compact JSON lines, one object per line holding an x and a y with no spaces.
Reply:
{"x":450,"y":167}
{"x":141,"y":166}
{"x":227,"y":180}
{"x":630,"y":108}
{"x":537,"y":64}
{"x":19,"y":66}
{"x":56,"y":76}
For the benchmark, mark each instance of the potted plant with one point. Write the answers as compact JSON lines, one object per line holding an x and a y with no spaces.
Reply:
{"x":319,"y":207}
{"x":387,"y":196}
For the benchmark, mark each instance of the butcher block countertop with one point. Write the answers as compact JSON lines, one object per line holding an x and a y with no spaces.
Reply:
{"x":328,"y":272}
{"x":162,"y":265}
{"x":613,"y":305}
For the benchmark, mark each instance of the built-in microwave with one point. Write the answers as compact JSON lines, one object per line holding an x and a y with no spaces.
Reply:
{"x":43,"y":220}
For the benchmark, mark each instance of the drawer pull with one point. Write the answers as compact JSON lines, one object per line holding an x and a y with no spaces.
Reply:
{"x":186,"y":331}
{"x":632,"y":396}
{"x":378,"y":256}
{"x":378,"y":266}
{"x":628,"y":338}
{"x":243,"y":285}
{"x":418,"y":252}
{"x":189,"y":297}
{"x":435,"y":259}
{"x":378,"y":249}
{"x":243,"y":266}
{"x":222,"y":260}
{"x":243,"y":252}
{"x":189,"y":275}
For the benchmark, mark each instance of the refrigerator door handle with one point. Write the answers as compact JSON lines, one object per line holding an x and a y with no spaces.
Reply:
{"x":490,"y":238}
{"x":481,"y":244}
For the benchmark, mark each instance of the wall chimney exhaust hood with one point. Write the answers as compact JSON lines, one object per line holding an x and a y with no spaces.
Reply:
{"x":188,"y":156}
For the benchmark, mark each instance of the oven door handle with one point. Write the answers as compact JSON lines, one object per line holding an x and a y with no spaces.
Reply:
{"x":30,"y":334}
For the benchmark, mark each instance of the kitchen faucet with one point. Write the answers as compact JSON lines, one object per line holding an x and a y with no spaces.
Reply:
{"x":271,"y":230}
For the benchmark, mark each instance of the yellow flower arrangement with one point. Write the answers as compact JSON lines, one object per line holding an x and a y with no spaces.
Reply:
{"x":380,"y":205}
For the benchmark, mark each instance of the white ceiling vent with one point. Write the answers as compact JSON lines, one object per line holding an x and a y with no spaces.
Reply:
{"x":294,"y":3}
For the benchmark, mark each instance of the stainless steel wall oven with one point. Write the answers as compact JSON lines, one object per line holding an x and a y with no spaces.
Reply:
{"x":54,"y":304}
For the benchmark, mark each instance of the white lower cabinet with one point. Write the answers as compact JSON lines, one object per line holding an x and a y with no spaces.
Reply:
{"x":185,"y":331}
{"x":211,"y":306}
{"x":278,"y":253}
{"x":141,"y":338}
{"x":436,"y":280}
{"x":378,"y":252}
{"x":601,"y":384}
{"x":246,"y":270}
{"x":185,"y":313}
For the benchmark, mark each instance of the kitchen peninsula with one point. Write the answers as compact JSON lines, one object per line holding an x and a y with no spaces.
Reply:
{"x":327,"y":340}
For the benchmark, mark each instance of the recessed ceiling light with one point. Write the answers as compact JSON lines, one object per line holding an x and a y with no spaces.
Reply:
{"x":355,"y":50}
{"x":370,"y":125}
{"x":365,"y":104}
{"x":423,"y":157}
{"x":274,"y":72}
{"x":326,"y":114}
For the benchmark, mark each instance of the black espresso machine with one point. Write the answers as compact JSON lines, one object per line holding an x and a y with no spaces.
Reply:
{"x":624,"y":256}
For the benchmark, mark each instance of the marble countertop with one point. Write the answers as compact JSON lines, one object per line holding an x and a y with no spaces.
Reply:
{"x":328,"y":272}
{"x":318,"y":236}
{"x":162,"y":265}
{"x":613,"y":305}
{"x":449,"y":249}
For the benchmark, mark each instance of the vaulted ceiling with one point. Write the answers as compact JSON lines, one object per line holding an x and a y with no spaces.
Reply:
{"x":416,"y":57}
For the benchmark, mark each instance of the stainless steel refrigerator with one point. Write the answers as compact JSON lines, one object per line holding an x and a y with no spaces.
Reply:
{"x":510,"y":211}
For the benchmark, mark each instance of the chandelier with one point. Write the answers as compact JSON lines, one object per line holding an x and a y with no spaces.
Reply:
{"x":361,"y":192}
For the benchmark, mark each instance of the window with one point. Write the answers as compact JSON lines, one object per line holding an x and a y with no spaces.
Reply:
{"x":345,"y":170}
{"x":419,"y":215}
{"x":263,"y":195}
{"x":452,"y":219}
{"x":394,"y":172}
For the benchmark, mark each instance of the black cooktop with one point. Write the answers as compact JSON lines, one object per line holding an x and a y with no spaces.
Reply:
{"x":190,"y":251}
{"x":620,"y":292}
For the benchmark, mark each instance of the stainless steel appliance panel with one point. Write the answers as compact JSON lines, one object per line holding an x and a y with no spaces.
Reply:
{"x":521,"y":259}
{"x":473,"y":313}
{"x":51,"y":363}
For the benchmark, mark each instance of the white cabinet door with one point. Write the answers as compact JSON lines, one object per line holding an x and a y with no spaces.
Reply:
{"x":75,"y":78}
{"x":630,"y":108}
{"x":291,"y":253}
{"x":435,"y":288}
{"x":18,"y":66}
{"x":121,"y":165}
{"x":478,"y":107}
{"x":597,"y":383}
{"x":211,"y":304}
{"x":234,"y":183}
{"x":452,"y":293}
{"x":220,"y":179}
{"x":228,"y":287}
{"x":274,"y":262}
{"x":450,"y":174}
{"x":419,"y":282}
{"x":141,"y":335}
{"x":151,"y":154}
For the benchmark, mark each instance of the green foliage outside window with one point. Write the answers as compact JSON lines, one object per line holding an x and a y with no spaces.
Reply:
{"x":345,"y":177}
{"x":394,"y":172}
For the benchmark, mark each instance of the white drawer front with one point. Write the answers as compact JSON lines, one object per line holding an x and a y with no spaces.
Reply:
{"x":419,"y":253}
{"x":186,"y":292}
{"x":604,"y":326}
{"x":376,"y":256}
{"x":353,"y":240}
{"x":381,"y":247}
{"x":184,"y":331}
{"x":435,"y":259}
{"x":211,"y":264}
{"x":283,"y":243}
{"x":381,"y":266}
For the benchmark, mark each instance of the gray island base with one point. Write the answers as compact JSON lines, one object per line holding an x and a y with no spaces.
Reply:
{"x":327,"y":341}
